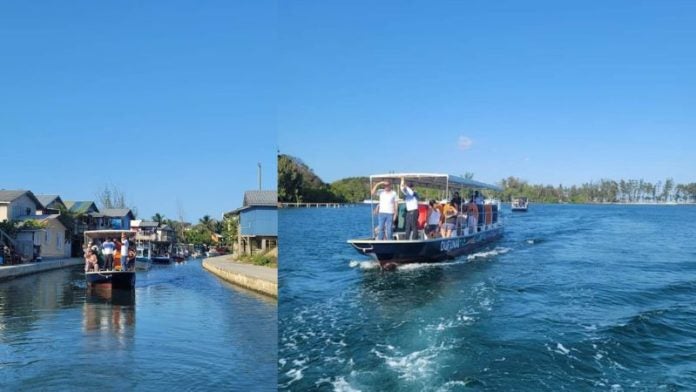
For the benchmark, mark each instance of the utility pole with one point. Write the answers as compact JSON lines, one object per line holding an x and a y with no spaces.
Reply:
{"x":259,"y":175}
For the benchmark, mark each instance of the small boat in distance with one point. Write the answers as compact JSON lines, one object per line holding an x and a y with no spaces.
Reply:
{"x":161,"y":259}
{"x":390,"y":253}
{"x":115,"y":278}
{"x":143,"y":262}
{"x":519,"y":204}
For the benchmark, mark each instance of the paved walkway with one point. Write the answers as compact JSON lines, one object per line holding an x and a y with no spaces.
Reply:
{"x":12,"y":271}
{"x":257,"y":278}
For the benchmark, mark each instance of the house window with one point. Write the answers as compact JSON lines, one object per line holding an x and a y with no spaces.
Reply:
{"x":28,"y":211}
{"x":59,"y":242}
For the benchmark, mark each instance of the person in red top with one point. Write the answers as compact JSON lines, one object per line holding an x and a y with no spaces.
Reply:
{"x":472,"y":214}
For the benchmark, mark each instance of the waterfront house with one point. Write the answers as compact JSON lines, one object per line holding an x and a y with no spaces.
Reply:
{"x":17,"y":204}
{"x":81,"y":211}
{"x":14,"y":205}
{"x":258,"y":222}
{"x":49,"y":237}
{"x":161,"y":236}
{"x":114,"y":219}
{"x":52,"y":204}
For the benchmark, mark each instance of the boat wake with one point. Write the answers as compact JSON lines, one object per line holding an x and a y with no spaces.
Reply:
{"x":371,"y":264}
{"x":363,"y":264}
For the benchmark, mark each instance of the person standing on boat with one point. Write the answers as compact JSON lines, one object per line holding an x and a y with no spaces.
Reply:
{"x":124,"y":252}
{"x":457,"y":201}
{"x":450,"y":213}
{"x":108,"y":251}
{"x":472,"y":214}
{"x":433,"y":219}
{"x":411,"y":199}
{"x":386,"y":210}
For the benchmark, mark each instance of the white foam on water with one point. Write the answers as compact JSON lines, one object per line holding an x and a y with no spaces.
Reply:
{"x":561,"y":349}
{"x":530,"y":242}
{"x":413,"y":366}
{"x":363,"y":264}
{"x":295,"y":375}
{"x":495,"y":252}
{"x":282,"y":362}
{"x":449,"y":385}
{"x":341,"y":385}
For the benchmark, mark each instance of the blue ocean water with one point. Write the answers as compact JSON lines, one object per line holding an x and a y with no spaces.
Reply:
{"x":574,"y":297}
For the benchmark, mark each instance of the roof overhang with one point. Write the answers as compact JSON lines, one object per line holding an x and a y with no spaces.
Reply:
{"x":434,"y":180}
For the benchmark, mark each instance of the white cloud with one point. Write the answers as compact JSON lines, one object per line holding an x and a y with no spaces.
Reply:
{"x":464,"y":143}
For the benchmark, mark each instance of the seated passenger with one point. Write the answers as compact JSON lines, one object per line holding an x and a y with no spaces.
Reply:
{"x":91,"y":262}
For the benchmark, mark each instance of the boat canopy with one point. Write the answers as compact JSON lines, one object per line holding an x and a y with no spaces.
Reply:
{"x":98,"y":234}
{"x":435,"y":180}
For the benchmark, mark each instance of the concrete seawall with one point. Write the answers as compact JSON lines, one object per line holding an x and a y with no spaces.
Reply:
{"x":260,"y":279}
{"x":13,"y":271}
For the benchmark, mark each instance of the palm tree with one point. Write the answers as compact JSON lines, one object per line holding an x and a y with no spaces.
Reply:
{"x":207,"y":223}
{"x":159,"y":218}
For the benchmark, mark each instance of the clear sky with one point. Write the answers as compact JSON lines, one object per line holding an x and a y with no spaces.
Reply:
{"x":172,"y":102}
{"x":549,"y":91}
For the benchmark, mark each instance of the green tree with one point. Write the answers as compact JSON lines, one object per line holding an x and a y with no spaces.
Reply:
{"x":159,"y":218}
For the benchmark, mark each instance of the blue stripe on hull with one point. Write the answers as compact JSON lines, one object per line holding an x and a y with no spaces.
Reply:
{"x":402,"y":252}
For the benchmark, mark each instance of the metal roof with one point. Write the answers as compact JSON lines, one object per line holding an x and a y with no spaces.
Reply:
{"x":144,"y":223}
{"x":10,"y":196}
{"x":434,"y":180}
{"x":48,"y":199}
{"x":260,"y":198}
{"x":116,"y":212}
{"x":108,"y":233}
{"x":79,"y":206}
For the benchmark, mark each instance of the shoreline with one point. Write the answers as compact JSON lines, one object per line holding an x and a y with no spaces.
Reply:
{"x":8,"y":272}
{"x":260,"y":279}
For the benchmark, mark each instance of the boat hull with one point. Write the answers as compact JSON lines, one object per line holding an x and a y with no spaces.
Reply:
{"x":113,"y":279}
{"x":161,"y":260}
{"x":519,"y":209}
{"x":391,"y":254}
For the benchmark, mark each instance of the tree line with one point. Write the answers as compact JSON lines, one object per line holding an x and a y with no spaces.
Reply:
{"x":297,"y":182}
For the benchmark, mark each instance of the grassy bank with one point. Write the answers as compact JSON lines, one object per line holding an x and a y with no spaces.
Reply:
{"x":264,"y":260}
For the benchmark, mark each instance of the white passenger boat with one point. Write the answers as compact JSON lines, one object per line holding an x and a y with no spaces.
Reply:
{"x":115,"y":278}
{"x":398,"y":250}
{"x":519,"y":204}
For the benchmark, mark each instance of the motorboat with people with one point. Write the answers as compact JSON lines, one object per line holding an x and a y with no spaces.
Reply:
{"x":519,"y":204}
{"x":143,"y":252}
{"x":474,"y":227}
{"x":111,"y":248}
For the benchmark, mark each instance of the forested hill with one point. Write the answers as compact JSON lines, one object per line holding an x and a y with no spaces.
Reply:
{"x":297,"y":182}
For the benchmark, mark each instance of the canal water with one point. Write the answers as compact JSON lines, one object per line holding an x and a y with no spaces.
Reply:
{"x":572,"y":298}
{"x":180,"y":329}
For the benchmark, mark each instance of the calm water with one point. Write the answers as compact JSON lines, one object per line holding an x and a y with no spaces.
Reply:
{"x":574,"y":298}
{"x":183,"y":330}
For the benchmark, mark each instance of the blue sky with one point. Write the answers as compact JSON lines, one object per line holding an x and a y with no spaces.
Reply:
{"x":172,"y":102}
{"x":552,"y":92}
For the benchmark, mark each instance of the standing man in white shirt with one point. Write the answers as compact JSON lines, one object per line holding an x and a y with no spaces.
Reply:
{"x":411,"y":199}
{"x":386,"y":210}
{"x":108,"y":248}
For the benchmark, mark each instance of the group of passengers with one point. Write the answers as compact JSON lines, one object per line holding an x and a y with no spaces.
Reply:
{"x":107,"y":255}
{"x":443,"y":219}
